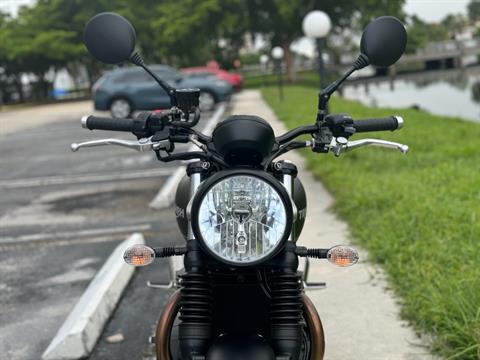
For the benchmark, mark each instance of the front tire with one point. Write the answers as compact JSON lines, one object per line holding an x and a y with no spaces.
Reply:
{"x":121,"y":108}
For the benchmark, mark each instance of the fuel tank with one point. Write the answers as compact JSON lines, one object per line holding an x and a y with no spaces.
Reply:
{"x":182,"y":198}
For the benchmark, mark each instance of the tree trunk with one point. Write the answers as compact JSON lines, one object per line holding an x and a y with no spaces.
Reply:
{"x":19,"y":86}
{"x":43,"y":87}
{"x":93,"y":73}
{"x":73,"y":72}
{"x":90,"y":79}
{"x":289,"y":61}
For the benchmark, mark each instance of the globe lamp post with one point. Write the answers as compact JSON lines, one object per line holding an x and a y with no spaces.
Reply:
{"x":277,"y":55}
{"x":263,"y":67}
{"x":317,"y":25}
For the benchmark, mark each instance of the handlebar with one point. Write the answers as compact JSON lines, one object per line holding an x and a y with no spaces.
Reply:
{"x":329,"y":136}
{"x":338,"y":122}
{"x":144,"y":124}
{"x":379,"y":124}
{"x":92,"y":122}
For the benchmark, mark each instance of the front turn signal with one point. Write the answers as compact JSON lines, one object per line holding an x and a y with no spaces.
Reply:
{"x":139,"y":255}
{"x":342,"y":255}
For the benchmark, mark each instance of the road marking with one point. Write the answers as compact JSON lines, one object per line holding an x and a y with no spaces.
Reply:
{"x":70,"y":242}
{"x":79,"y":179}
{"x":166,"y":194}
{"x":73,"y":234}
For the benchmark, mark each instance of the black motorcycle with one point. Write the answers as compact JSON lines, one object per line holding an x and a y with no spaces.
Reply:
{"x":240,"y":294}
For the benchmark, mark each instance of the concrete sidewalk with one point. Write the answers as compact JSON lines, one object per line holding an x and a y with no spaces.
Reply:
{"x":360,"y":318}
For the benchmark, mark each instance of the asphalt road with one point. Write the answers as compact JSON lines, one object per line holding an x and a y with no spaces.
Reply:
{"x":61,"y":215}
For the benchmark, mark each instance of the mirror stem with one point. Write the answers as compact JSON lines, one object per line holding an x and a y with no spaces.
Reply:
{"x":136,"y":59}
{"x":325,"y":94}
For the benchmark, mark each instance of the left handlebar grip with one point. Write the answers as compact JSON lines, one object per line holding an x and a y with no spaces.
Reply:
{"x":389,"y":123}
{"x":92,"y":122}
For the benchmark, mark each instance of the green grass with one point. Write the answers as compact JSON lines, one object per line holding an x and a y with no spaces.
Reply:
{"x":418,"y":215}
{"x":303,"y":78}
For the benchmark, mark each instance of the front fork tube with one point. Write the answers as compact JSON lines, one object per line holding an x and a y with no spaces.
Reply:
{"x":195,"y":181}
{"x":195,"y":328}
{"x":287,"y":172}
{"x":286,"y":309}
{"x":286,"y":305}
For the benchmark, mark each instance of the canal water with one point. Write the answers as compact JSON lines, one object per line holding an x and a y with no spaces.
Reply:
{"x":443,"y":92}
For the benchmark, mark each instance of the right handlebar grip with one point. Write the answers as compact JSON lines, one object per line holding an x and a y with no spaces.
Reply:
{"x":380,"y":124}
{"x":92,"y":122}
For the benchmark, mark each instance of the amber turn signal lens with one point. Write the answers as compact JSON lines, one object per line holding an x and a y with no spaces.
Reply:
{"x":343,"y":256}
{"x":139,"y":255}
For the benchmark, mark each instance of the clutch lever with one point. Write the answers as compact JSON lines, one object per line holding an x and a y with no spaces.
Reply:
{"x":143,"y":144}
{"x":340,"y":145}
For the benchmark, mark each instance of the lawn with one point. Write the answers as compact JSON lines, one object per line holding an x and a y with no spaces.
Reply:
{"x":304,"y":78}
{"x":417,"y":214}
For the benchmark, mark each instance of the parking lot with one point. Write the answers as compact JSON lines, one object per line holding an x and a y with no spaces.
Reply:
{"x":61,"y":215}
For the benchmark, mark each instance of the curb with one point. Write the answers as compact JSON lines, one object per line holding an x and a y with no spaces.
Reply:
{"x":79,"y":333}
{"x":166,"y":194}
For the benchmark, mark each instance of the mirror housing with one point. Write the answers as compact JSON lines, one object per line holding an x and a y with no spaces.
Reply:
{"x":383,"y":41}
{"x":110,"y":38}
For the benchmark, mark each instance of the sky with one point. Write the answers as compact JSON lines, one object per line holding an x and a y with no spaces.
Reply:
{"x":11,"y":6}
{"x":435,"y":10}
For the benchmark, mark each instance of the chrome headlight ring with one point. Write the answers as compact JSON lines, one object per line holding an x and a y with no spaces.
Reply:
{"x":241,"y":217}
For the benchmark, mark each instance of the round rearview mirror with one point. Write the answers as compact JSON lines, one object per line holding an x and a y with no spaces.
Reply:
{"x":383,"y":41}
{"x":109,"y":37}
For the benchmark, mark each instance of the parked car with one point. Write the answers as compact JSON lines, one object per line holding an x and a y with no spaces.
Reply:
{"x":233,"y":79}
{"x":125,"y":90}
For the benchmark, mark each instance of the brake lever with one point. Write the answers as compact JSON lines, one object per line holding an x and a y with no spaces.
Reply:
{"x":340,"y":145}
{"x":143,"y":144}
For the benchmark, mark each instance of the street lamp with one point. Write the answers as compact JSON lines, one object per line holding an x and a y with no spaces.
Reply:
{"x":277,"y":55}
{"x":263,"y":67}
{"x":316,"y":25}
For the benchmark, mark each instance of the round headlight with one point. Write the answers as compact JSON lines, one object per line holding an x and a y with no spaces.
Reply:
{"x":242,"y":217}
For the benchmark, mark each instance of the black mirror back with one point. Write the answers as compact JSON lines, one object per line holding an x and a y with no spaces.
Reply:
{"x":384,"y":41}
{"x":109,"y":37}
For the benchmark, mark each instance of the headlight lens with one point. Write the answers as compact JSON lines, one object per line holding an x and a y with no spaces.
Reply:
{"x":242,"y":219}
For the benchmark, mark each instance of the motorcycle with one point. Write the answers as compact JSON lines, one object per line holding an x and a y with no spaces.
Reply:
{"x":240,"y":293}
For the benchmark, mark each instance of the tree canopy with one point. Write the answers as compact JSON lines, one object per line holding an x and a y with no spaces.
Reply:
{"x":473,"y":9}
{"x":420,"y":33}
{"x":48,"y":36}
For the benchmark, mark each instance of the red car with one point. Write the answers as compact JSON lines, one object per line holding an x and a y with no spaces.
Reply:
{"x":233,"y":79}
